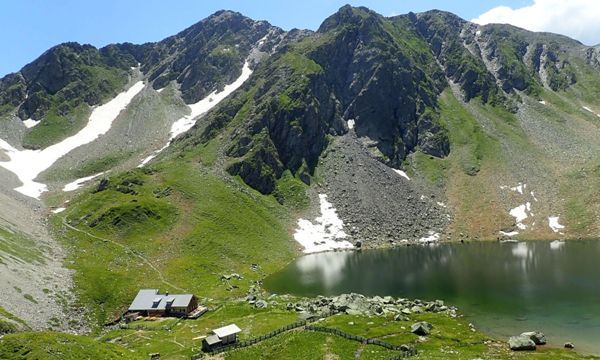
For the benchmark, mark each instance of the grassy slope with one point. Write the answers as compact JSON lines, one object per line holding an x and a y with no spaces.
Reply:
{"x":57,"y":346}
{"x":19,"y":247}
{"x":452,"y":338}
{"x":580,"y":186}
{"x":10,"y":323}
{"x":475,"y":158}
{"x":54,"y":128}
{"x":205,"y":228}
{"x":491,"y":148}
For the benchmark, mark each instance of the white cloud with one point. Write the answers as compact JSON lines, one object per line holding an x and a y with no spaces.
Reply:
{"x":578,"y":19}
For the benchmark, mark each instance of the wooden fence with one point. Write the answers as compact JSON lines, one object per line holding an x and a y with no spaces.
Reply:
{"x":404,"y":353}
{"x":306,"y":324}
{"x":250,"y":342}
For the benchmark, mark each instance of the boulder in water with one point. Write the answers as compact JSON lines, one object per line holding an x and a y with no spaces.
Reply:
{"x":520,"y":343}
{"x":538,"y":337}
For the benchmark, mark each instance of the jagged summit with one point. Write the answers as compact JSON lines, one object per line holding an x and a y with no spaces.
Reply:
{"x":347,"y":15}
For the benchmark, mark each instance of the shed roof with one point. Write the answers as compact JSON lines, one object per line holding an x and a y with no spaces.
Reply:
{"x":150,"y":299}
{"x":212,"y":340}
{"x":227,"y":330}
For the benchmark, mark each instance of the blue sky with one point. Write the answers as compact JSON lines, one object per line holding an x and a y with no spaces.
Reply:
{"x":29,"y":27}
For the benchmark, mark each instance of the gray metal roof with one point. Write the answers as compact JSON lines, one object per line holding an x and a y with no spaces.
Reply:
{"x":150,"y":299}
{"x":212,"y":340}
{"x":227,"y":330}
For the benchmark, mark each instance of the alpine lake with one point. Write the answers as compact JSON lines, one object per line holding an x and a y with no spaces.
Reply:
{"x":502,"y":288}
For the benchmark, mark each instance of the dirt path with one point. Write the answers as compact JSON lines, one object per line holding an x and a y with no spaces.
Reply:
{"x":127,"y":250}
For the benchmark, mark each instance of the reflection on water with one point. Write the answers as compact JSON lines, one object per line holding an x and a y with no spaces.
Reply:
{"x":327,"y":268}
{"x":506,"y":288}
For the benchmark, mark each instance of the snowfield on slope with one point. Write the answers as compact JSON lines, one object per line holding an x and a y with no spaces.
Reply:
{"x":28,"y":164}
{"x":185,"y":123}
{"x":401,"y":173}
{"x":326,"y":233}
{"x":72,"y":186}
{"x":29,"y":123}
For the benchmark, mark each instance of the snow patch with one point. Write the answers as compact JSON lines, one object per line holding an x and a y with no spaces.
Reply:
{"x":351,"y":124}
{"x":160,"y":90}
{"x":185,"y":123}
{"x":533,"y":196}
{"x":441,"y":204}
{"x":431,"y":237}
{"x":554,"y":224}
{"x":402,"y":173}
{"x":29,"y":123}
{"x":478,"y":33}
{"x":154,"y":154}
{"x":590,"y":110}
{"x":509,"y":234}
{"x":201,"y":107}
{"x":325,"y":233}
{"x":519,"y":188}
{"x":520,"y":214}
{"x":262,"y":40}
{"x":58,"y":210}
{"x":28,"y":164}
{"x":542,"y":102}
{"x":72,"y":186}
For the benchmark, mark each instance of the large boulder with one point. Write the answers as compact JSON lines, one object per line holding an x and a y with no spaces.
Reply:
{"x":421,"y":328}
{"x":538,"y":337}
{"x":521,"y":343}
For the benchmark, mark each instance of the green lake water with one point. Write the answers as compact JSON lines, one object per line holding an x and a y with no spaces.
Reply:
{"x":503,"y":288}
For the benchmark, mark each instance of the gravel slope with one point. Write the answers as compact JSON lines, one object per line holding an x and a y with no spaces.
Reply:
{"x":378,"y":206}
{"x":40,"y":293}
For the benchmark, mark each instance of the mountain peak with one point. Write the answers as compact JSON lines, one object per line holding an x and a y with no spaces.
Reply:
{"x":442,"y":16}
{"x":225,"y":15}
{"x":347,"y":14}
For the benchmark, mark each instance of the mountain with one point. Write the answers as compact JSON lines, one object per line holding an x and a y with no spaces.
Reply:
{"x":202,"y":153}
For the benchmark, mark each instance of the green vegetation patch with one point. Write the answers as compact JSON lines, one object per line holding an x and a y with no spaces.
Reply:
{"x":134,"y":235}
{"x":19,"y":247}
{"x":54,"y":127}
{"x":59,"y":346}
{"x":291,"y":191}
